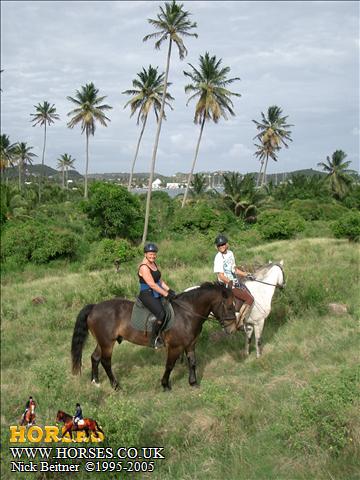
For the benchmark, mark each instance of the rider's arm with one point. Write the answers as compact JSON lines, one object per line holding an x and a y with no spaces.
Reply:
{"x":164,"y":285}
{"x":144,"y":272}
{"x":222,"y":278}
{"x":240,"y":272}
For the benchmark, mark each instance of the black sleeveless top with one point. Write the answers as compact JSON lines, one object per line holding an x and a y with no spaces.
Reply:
{"x":156,"y":275}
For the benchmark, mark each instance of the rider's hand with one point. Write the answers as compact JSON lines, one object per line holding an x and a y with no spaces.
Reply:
{"x":250,"y":276}
{"x":230,"y":284}
{"x":171,"y":294}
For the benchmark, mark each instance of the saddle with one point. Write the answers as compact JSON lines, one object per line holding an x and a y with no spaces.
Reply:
{"x":80,"y":422}
{"x":142,"y":319}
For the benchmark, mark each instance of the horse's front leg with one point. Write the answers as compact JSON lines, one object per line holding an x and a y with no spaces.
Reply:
{"x":172,"y":356}
{"x":248,"y":335}
{"x":258,"y":340}
{"x":190,"y":353}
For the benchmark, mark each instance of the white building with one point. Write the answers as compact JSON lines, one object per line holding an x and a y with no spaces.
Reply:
{"x":156,"y":183}
{"x":173,"y":185}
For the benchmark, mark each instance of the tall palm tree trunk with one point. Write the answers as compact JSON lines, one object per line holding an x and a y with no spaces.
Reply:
{"x":63,"y":177}
{"x":20,"y":167}
{"x":87,"y":165}
{"x":259,"y":174}
{"x":136,"y":154}
{"x":264,"y":172}
{"x":193,"y":164}
{"x":147,"y":211}
{"x":67,"y":178}
{"x":42,"y":164}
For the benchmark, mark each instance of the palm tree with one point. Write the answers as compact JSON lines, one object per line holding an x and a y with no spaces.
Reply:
{"x":198,"y":184}
{"x":263,"y":152}
{"x":273,"y":134}
{"x":7,"y":151}
{"x":242,"y":195}
{"x":338,"y":174}
{"x":64,"y":163}
{"x":171,"y":24}
{"x":209,"y":83}
{"x":88,"y":110}
{"x":23,"y":156}
{"x":45,"y":115}
{"x":147,"y":95}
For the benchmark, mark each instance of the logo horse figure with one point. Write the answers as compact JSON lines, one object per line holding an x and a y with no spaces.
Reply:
{"x":87,"y":425}
{"x":110,"y":322}
{"x":28,"y":417}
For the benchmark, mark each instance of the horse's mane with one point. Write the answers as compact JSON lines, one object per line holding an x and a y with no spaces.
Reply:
{"x":206,"y":286}
{"x":261,"y":272}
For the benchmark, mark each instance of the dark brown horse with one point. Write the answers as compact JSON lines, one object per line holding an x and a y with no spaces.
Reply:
{"x":88,"y":425}
{"x":109,"y":322}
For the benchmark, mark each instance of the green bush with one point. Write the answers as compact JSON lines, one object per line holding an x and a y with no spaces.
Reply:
{"x":332,"y":210}
{"x":104,"y":253}
{"x":308,"y":209}
{"x":276,"y":224}
{"x":200,"y":217}
{"x":348,"y":226}
{"x":116,"y":211}
{"x":32,"y":241}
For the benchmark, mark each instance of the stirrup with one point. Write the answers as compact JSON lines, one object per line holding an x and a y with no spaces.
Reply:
{"x":158,"y":343}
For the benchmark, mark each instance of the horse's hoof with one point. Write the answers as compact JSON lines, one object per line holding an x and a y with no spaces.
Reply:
{"x":194,"y":385}
{"x":94,"y":382}
{"x":166,"y":388}
{"x":116,"y":387}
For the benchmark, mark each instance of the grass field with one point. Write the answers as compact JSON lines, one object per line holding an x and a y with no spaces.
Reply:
{"x":293,"y":414}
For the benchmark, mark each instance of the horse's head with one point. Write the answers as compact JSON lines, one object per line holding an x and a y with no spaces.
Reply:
{"x":280,"y":282}
{"x":60,"y":416}
{"x":224,"y":309}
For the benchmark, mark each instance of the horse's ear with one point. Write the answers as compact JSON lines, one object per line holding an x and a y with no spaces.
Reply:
{"x":281,"y":262}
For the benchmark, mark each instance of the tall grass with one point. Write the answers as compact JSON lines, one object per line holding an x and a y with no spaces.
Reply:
{"x":292,"y":414}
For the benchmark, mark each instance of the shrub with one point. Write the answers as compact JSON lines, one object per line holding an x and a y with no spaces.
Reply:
{"x":308,"y":209}
{"x":104,"y":253}
{"x":275,"y":224}
{"x":200,"y":217}
{"x":116,"y":211}
{"x":348,"y":226}
{"x":34,"y":242}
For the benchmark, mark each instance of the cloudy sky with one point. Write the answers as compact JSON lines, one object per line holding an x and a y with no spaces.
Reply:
{"x":301,"y":56}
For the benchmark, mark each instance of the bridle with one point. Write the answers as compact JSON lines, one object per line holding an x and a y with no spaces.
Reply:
{"x":272,"y":284}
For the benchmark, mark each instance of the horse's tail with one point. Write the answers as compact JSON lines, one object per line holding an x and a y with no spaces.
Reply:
{"x":99,"y":429}
{"x":79,"y":337}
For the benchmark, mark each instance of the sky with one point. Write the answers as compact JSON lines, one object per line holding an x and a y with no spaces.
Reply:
{"x":302,"y":56}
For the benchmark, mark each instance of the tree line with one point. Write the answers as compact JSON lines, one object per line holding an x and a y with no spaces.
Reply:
{"x":209,"y":86}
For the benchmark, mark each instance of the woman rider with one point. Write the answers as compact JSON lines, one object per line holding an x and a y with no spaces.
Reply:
{"x":226,"y":270}
{"x":152,"y":288}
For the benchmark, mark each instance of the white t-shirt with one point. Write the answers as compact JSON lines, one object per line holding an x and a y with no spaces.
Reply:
{"x":225,"y":263}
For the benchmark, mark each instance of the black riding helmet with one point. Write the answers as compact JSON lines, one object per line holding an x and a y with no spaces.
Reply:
{"x":220,"y":240}
{"x":150,"y":247}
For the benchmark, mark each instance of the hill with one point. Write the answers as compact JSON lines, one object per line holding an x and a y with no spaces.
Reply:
{"x":291,"y":415}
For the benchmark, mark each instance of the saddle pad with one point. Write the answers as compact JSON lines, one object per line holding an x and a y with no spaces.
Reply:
{"x":142,"y":319}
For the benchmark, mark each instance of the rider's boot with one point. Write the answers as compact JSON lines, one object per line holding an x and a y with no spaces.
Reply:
{"x":156,"y":341}
{"x":243,"y":315}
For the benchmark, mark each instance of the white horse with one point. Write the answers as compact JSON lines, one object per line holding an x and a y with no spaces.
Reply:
{"x":267,"y":278}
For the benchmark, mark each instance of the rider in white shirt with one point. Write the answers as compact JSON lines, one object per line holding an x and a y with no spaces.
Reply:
{"x":227,"y":271}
